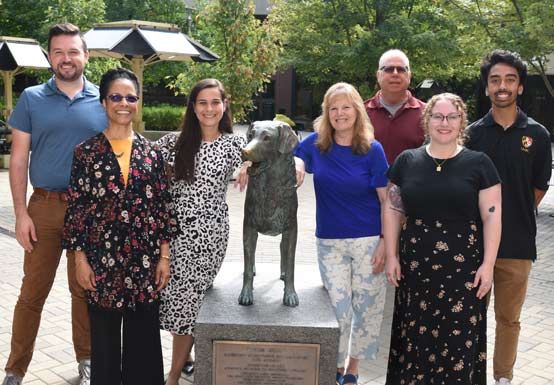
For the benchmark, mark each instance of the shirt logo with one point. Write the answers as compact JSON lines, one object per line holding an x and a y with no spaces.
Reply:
{"x":526,"y":141}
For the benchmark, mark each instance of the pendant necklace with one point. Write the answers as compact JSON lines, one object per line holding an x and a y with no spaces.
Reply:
{"x":439,"y":164}
{"x":119,"y":155}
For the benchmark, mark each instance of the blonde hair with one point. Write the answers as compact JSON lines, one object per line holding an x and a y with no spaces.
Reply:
{"x":456,"y":102}
{"x":363,"y":130}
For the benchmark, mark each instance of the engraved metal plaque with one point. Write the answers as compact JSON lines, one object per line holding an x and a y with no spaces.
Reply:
{"x":265,"y":363}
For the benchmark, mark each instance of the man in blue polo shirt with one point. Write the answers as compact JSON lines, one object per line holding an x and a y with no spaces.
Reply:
{"x":48,"y":121}
{"x":520,"y":149}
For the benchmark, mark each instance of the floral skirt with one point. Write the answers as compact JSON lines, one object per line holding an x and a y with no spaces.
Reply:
{"x":439,"y":325}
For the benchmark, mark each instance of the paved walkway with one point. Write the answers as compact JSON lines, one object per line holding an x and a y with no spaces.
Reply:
{"x":53,"y":361}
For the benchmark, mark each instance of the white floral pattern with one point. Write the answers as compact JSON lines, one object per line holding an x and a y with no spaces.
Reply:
{"x":357,"y":295}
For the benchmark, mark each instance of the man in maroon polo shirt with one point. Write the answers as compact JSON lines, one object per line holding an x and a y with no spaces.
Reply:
{"x":394,"y":113}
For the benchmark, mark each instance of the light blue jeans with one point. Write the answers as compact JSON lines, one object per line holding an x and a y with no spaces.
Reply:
{"x":357,"y":295}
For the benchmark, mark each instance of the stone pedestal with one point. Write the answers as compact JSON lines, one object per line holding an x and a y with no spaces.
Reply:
{"x":267,"y":321}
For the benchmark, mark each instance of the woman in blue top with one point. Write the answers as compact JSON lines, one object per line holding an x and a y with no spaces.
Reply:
{"x":349,"y":168}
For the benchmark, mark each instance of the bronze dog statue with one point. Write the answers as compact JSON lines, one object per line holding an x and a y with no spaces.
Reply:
{"x":271,"y":201}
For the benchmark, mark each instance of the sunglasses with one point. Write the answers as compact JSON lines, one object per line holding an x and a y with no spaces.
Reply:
{"x":391,"y":69}
{"x":116,"y":98}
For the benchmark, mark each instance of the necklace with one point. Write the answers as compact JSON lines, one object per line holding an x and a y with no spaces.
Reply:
{"x":439,"y":165}
{"x":119,"y":154}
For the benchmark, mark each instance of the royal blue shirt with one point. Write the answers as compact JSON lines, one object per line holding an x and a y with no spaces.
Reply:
{"x":56,"y":124}
{"x":347,"y":205}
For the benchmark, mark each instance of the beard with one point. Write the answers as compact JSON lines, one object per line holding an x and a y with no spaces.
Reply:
{"x":71,"y":76}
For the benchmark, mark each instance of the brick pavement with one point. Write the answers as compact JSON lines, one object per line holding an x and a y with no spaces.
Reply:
{"x":53,"y":361}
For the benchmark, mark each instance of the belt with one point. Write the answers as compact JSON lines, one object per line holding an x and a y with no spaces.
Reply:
{"x":62,"y":196}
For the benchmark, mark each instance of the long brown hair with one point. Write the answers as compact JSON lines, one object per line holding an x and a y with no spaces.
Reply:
{"x":363,"y":130}
{"x":189,"y":141}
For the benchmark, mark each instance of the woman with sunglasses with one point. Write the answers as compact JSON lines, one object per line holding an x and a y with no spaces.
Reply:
{"x":202,"y":159}
{"x":118,"y":223}
{"x":442,"y":225}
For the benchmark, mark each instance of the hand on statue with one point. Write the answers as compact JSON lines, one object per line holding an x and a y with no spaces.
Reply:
{"x":300,"y":171}
{"x":242,"y":178}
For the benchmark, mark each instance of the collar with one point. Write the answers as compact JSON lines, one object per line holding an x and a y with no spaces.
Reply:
{"x":520,"y":122}
{"x":89,"y":89}
{"x":375,"y":103}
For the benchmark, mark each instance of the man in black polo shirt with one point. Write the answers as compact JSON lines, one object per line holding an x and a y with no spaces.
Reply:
{"x":520,"y":150}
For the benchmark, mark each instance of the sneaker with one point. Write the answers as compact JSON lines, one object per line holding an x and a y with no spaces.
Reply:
{"x":12,"y":379}
{"x":84,"y":372}
{"x":503,"y":381}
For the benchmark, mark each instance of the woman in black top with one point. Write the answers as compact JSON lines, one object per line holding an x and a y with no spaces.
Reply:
{"x":443,"y":212}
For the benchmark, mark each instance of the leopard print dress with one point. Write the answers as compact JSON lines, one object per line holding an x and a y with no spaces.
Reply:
{"x":202,"y":212}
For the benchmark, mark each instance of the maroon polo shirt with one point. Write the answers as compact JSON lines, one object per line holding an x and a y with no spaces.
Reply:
{"x":399,"y":132}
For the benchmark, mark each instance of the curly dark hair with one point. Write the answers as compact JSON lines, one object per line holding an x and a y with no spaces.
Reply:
{"x":503,"y":56}
{"x":114,"y":74}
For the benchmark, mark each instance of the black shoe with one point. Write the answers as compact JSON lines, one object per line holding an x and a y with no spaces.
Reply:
{"x":188,"y":369}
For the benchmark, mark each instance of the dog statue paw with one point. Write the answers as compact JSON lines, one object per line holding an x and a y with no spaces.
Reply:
{"x":246,"y":297}
{"x":290,"y":298}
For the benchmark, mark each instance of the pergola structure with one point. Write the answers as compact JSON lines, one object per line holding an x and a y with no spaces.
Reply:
{"x":142,"y":43}
{"x":17,"y":54}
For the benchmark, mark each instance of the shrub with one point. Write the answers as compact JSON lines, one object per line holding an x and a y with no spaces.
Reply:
{"x":162,"y":117}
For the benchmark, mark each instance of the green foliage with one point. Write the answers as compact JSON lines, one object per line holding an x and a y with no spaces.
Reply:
{"x":83,"y":13}
{"x":523,"y":26}
{"x":162,"y":11}
{"x":248,"y":50}
{"x":163,"y":117}
{"x":33,"y":18}
{"x":341,"y":40}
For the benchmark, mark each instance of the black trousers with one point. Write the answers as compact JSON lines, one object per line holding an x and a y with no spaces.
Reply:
{"x":139,"y":360}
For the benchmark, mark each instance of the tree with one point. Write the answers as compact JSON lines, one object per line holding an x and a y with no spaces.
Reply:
{"x":519,"y":25}
{"x":333,"y":40}
{"x":33,"y":18}
{"x":40,"y":15}
{"x":248,"y":50}
{"x":162,"y":11}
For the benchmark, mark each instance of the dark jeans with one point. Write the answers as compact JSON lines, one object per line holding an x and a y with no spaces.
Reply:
{"x":140,"y":361}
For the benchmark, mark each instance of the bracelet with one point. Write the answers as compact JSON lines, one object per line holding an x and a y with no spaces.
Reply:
{"x":165,"y":257}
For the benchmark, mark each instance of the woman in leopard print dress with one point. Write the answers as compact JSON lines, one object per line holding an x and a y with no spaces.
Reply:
{"x":202,"y":158}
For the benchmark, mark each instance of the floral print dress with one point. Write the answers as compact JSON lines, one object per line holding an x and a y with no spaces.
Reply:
{"x":439,"y":325}
{"x":119,"y":228}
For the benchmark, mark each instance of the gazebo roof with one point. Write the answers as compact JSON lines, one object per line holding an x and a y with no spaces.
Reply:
{"x":149,"y":40}
{"x":17,"y":52}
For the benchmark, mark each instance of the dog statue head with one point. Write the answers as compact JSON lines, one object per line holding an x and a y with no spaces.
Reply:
{"x":267,"y":141}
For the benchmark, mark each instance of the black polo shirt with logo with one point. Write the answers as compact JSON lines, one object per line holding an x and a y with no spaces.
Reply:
{"x":523,"y":157}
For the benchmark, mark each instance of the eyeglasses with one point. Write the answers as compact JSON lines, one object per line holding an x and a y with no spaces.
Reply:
{"x":450,"y":118}
{"x":391,"y":69}
{"x":116,"y":98}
